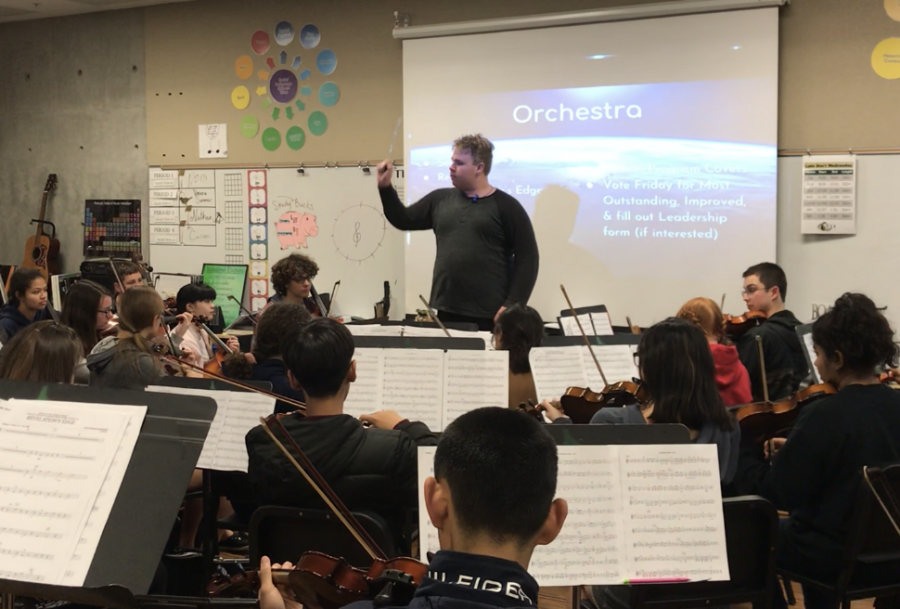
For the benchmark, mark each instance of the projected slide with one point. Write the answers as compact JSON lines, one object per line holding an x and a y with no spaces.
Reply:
{"x":656,"y":178}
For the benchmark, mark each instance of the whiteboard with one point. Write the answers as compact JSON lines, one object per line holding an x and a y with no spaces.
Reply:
{"x":234,"y":216}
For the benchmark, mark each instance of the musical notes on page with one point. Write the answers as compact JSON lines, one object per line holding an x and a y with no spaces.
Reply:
{"x":634,"y":512}
{"x":556,"y":368}
{"x":236,"y":414}
{"x":52,"y":514}
{"x":413,"y":384}
{"x":365,"y":396}
{"x":474,"y":379}
{"x":617,"y":362}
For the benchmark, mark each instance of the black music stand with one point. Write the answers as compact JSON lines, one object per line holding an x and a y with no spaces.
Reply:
{"x":164,"y":457}
{"x":602,"y":435}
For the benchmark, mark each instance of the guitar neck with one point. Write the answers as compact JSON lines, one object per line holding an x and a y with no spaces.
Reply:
{"x":40,"y":222}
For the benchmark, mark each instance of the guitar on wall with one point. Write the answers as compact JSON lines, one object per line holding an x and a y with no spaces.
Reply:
{"x":41,"y":249}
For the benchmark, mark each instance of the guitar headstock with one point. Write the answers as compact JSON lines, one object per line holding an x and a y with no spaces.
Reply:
{"x":51,"y":182}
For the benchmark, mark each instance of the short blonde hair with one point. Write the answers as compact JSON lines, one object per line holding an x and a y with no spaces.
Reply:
{"x":481,"y":149}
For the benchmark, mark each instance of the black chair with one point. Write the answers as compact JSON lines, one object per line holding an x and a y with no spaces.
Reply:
{"x":871,"y":565}
{"x":751,"y":529}
{"x":285,"y":533}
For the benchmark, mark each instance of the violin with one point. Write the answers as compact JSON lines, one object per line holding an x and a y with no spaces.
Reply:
{"x":737,"y":325}
{"x":889,"y":378}
{"x":765,"y":420}
{"x":222,"y":351}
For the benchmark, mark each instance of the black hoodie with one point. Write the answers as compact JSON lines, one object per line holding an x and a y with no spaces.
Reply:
{"x":785,"y":360}
{"x":369,"y":469}
{"x":12,"y":320}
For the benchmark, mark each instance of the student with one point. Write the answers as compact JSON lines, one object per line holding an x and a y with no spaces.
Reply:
{"x":46,"y":352}
{"x":816,"y":473}
{"x":677,"y":370}
{"x":277,"y":322}
{"x":518,"y":329}
{"x":195,"y":301}
{"x":27,"y":303}
{"x":490,"y":511}
{"x":731,"y":375}
{"x":370,"y":469}
{"x":127,"y":360}
{"x":765,"y":290}
{"x":87,"y":310}
{"x":131,"y":276}
{"x":292,"y":279}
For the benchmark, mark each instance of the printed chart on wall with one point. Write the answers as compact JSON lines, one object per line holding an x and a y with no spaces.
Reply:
{"x":112,"y":227}
{"x":829,"y":195}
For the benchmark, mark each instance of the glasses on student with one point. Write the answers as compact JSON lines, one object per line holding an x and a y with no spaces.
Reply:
{"x":107,"y":312}
{"x":750,"y":290}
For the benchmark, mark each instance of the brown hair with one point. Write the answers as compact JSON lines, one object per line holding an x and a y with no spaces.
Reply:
{"x":46,"y":352}
{"x":481,"y":149}
{"x":80,"y":311}
{"x":138,"y":308}
{"x":293,"y":268}
{"x":276,"y":322}
{"x":706,"y":315}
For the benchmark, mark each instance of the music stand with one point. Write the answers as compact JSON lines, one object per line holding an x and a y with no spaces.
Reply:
{"x":164,"y":457}
{"x":574,"y":341}
{"x":418,"y":342}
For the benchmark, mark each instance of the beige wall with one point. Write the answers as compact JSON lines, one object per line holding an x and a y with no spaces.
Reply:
{"x":829,"y":95}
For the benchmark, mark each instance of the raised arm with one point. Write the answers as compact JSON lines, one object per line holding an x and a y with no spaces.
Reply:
{"x":416,"y":216}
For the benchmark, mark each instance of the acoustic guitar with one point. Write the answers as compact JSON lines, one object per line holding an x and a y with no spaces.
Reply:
{"x":41,"y":249}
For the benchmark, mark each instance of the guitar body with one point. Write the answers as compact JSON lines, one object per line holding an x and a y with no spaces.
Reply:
{"x":42,"y":253}
{"x":42,"y":250}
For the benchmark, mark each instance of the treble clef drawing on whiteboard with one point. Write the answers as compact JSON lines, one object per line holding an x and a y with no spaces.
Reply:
{"x":356,"y":235}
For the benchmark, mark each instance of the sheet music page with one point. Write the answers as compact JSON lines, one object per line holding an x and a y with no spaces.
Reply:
{"x":569,"y":326}
{"x":473,"y":379}
{"x":365,"y":396}
{"x":673,"y":512}
{"x":602,"y":324}
{"x":83,"y":556}
{"x":208,"y":454}
{"x":55,"y":457}
{"x":590,"y":548}
{"x":375,"y":330}
{"x":428,"y":535}
{"x":617,"y":362}
{"x":414,"y":384}
{"x":808,"y":343}
{"x":555,"y":369}
{"x":241,"y":414}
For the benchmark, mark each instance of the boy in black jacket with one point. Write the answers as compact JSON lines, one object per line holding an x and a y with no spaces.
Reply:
{"x":765,"y":289}
{"x":490,"y":511}
{"x":369,"y":469}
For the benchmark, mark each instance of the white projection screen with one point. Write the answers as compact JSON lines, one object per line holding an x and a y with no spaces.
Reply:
{"x":644,"y":152}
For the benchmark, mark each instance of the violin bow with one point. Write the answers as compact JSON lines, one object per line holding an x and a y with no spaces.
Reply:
{"x":212,"y":336}
{"x":334,"y":292}
{"x":244,"y":310}
{"x":583,"y":335}
{"x":319,"y":304}
{"x":433,"y":315}
{"x":762,"y":368}
{"x":722,"y":304}
{"x":318,"y":484}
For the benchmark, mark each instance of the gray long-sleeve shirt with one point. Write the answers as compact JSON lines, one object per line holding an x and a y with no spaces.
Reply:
{"x":487,"y":256}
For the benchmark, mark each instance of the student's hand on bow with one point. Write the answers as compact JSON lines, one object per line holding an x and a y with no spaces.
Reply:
{"x":385,"y":172}
{"x":233,"y":344}
{"x":383,"y":419}
{"x":184,"y":322}
{"x":551,"y":409}
{"x":773,"y":446}
{"x":188,"y":356}
{"x":270,"y":595}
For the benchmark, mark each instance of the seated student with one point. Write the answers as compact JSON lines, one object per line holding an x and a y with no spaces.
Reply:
{"x":277,"y":322}
{"x":87,"y":310}
{"x":677,"y":370}
{"x":46,"y":351}
{"x":131,"y":276}
{"x":518,"y":329}
{"x":27,"y":302}
{"x":195,"y":301}
{"x":369,"y":469}
{"x":765,"y":290}
{"x":816,"y":473}
{"x":731,"y":375}
{"x":127,"y":360}
{"x":292,"y":279}
{"x":491,"y":512}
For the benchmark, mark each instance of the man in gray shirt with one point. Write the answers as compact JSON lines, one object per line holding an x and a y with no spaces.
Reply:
{"x":487,"y":256}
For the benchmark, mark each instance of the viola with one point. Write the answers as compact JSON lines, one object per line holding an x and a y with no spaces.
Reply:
{"x":765,"y":420}
{"x":737,"y":325}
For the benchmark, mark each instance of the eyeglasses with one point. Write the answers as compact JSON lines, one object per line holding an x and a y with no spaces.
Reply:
{"x":637,"y":359}
{"x":750,"y":290}
{"x":107,"y":312}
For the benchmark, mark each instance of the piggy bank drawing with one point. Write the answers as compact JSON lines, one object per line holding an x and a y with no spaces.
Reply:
{"x":293,"y":228}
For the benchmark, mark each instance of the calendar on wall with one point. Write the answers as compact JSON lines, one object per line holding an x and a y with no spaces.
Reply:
{"x":828,"y":204}
{"x":112,"y":227}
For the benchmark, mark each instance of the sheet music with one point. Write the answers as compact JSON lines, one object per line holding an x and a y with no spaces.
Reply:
{"x":414,"y":331}
{"x":365,"y":396}
{"x":591,"y":546}
{"x":602,"y":324}
{"x":634,"y":512}
{"x":673,"y":512}
{"x":80,"y":563}
{"x":808,"y":343}
{"x":473,"y":379}
{"x":375,"y":330}
{"x":569,"y":326}
{"x":236,"y":414}
{"x":55,"y":458}
{"x":555,"y":369}
{"x":413,"y":384}
{"x":617,"y":362}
